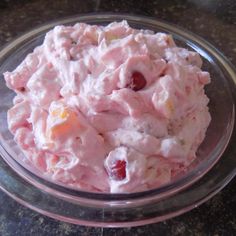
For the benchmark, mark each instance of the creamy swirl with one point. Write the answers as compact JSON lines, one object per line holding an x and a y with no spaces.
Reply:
{"x":109,"y":108}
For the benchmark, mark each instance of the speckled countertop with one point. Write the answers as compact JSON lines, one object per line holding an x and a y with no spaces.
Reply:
{"x":215,"y":20}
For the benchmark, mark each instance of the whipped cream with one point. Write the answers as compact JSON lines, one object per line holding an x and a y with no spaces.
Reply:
{"x":109,"y":108}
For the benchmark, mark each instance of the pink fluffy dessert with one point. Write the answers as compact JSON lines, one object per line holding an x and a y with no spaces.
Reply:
{"x":109,"y":108}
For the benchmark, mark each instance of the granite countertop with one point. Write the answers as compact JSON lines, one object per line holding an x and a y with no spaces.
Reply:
{"x":216,"y":23}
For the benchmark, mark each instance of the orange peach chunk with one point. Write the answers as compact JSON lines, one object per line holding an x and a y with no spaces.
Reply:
{"x":69,"y":122}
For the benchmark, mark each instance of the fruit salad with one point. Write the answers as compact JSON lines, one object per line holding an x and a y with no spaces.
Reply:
{"x":109,"y":108}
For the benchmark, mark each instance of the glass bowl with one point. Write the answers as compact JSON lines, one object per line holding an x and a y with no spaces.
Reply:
{"x":212,"y":170}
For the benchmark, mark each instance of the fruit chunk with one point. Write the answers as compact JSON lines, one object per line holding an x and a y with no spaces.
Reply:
{"x":118,"y":170}
{"x":62,"y":113}
{"x":110,"y":37}
{"x":138,"y":81}
{"x":63,"y":122}
{"x":170,"y":106}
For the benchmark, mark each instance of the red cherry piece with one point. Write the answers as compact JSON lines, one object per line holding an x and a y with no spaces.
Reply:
{"x":22,"y":89}
{"x":118,"y":170}
{"x":138,"y":81}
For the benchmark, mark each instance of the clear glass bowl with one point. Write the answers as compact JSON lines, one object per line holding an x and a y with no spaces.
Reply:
{"x":213,"y":169}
